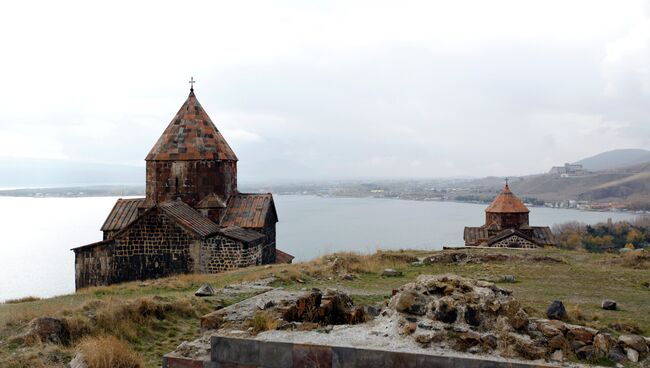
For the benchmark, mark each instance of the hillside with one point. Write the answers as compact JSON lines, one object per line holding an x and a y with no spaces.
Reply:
{"x":629,"y":185}
{"x":154,"y":317}
{"x":615,"y":159}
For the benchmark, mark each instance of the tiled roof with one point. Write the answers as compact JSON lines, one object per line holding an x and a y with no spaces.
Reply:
{"x":238,"y":233}
{"x":540,"y":234}
{"x":506,"y":202}
{"x":211,"y":201}
{"x":189,"y":218}
{"x":249,"y":210}
{"x":122,"y":214}
{"x":282,"y":257}
{"x":474,"y":234}
{"x":191,"y":135}
{"x":543,"y":235}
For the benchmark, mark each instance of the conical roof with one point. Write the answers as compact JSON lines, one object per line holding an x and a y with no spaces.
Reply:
{"x":506,"y":202}
{"x":191,"y":135}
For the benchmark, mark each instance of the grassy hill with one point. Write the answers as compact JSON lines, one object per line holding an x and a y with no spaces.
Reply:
{"x":154,"y":317}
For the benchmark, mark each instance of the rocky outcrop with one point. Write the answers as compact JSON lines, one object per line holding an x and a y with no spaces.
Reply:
{"x":288,"y":309}
{"x":479,"y":317}
{"x":438,"y":314}
{"x":450,"y":256}
{"x":46,"y":329}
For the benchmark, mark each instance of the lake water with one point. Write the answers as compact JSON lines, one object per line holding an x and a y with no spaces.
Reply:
{"x":36,"y":234}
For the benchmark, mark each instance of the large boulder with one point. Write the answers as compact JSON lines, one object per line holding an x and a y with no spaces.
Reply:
{"x":635,"y":342}
{"x":556,"y":311}
{"x":608,"y":304}
{"x":390,"y":272}
{"x":205,"y":290}
{"x":46,"y":329}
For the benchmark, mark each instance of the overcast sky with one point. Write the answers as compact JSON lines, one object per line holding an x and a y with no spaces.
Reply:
{"x":331,"y":89}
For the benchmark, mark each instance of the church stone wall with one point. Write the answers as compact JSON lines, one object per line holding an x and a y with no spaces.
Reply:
{"x":506,"y":220}
{"x":190,"y":180}
{"x":93,"y":265}
{"x":220,"y":253}
{"x":151,"y":247}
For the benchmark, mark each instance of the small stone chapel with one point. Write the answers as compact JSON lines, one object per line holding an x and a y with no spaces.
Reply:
{"x":192,"y":220}
{"x":506,"y":225}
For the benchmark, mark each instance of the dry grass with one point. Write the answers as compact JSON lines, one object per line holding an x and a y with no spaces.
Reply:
{"x":26,"y":299}
{"x":154,"y":317}
{"x":338,"y":264}
{"x":109,"y":352}
{"x":263,"y":321}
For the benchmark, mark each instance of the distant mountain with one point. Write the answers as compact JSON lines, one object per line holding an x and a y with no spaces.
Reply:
{"x":615,"y":159}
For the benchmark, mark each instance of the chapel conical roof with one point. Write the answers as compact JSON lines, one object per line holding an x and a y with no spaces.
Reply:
{"x":191,"y":135}
{"x":506,"y":202}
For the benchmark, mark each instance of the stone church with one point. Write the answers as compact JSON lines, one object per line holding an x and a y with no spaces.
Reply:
{"x":506,"y":225}
{"x":192,"y":220}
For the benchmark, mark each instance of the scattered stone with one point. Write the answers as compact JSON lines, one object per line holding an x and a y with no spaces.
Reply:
{"x":205,"y":290}
{"x":556,"y":311}
{"x":508,"y":278}
{"x":46,"y":329}
{"x":604,"y":343}
{"x":348,"y":276}
{"x":519,"y":320}
{"x":635,"y":342}
{"x":586,"y":352}
{"x":608,"y":304}
{"x":265,"y":304}
{"x":410,"y":328}
{"x":616,"y":354}
{"x":557,"y":356}
{"x":372,"y":311}
{"x":632,"y":355}
{"x":411,"y":319}
{"x":558,"y":324}
{"x":558,"y":342}
{"x":390,"y":272}
{"x":579,"y":333}
{"x":410,"y":301}
{"x":78,"y":361}
{"x":548,"y":329}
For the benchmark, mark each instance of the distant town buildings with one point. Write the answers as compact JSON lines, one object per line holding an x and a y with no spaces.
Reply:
{"x":568,"y":170}
{"x":506,"y":225}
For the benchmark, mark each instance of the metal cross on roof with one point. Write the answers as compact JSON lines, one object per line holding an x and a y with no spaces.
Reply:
{"x":191,"y":82}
